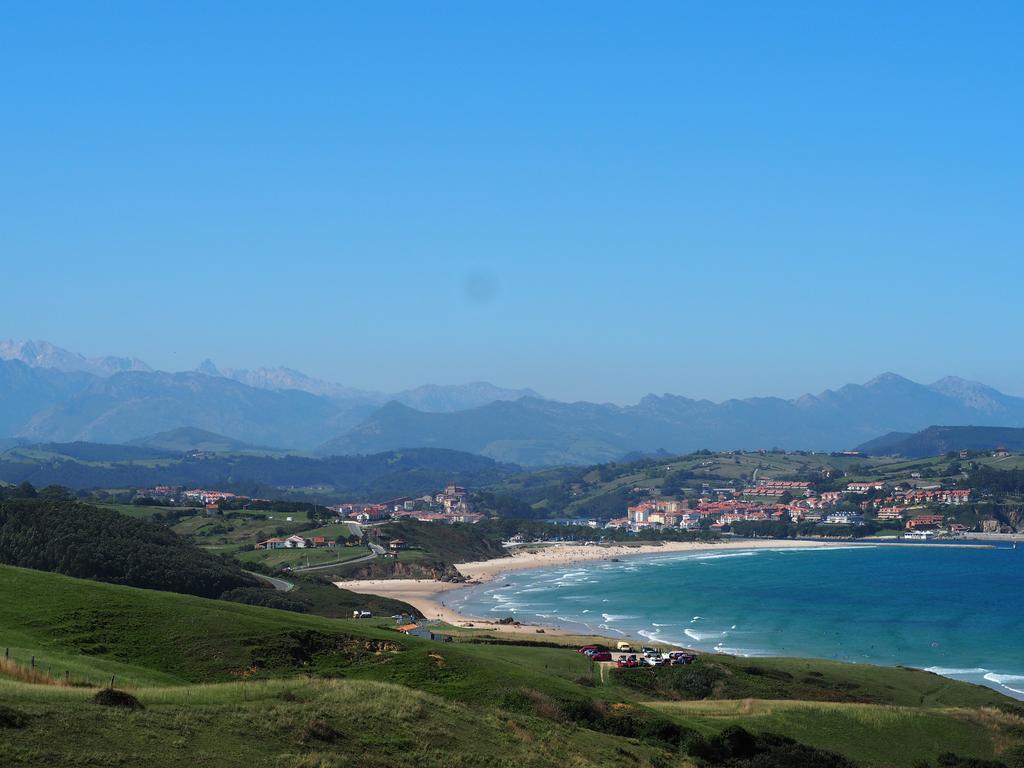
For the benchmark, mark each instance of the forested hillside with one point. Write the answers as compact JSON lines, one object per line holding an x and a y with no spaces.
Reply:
{"x":52,"y":532}
{"x":372,"y":477}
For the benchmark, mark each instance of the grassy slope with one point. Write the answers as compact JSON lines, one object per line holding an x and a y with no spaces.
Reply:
{"x":272,"y":724}
{"x":874,"y":735}
{"x":152,"y":640}
{"x":276,"y":558}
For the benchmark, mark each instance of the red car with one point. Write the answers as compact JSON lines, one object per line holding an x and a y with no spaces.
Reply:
{"x":601,"y":656}
{"x":627,"y":661}
{"x":589,"y":649}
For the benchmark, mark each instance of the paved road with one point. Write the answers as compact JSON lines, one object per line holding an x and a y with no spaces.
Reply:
{"x":279,"y":584}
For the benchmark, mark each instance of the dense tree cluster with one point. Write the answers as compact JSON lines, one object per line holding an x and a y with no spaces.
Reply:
{"x":379,"y":476}
{"x":51,"y":531}
{"x":998,"y":481}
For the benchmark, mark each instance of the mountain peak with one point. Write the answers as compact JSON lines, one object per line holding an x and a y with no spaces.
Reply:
{"x":208,"y":367}
{"x":888,"y":379}
{"x":43,"y":354}
{"x":972,"y":394}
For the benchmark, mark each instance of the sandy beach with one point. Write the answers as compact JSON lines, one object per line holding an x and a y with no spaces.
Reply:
{"x":427,"y":595}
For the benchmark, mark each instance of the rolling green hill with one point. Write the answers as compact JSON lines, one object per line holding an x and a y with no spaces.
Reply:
{"x":240,"y":685}
{"x":185,"y":439}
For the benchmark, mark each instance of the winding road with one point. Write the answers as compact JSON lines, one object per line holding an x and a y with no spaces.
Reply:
{"x":279,"y":584}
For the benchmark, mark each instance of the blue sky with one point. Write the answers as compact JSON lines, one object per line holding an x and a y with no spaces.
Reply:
{"x":595,"y":200}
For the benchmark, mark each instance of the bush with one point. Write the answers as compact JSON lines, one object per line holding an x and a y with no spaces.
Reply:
{"x":111,"y":697}
{"x":320,"y":730}
{"x":737,"y":747}
{"x":12,"y":718}
{"x":693,"y":681}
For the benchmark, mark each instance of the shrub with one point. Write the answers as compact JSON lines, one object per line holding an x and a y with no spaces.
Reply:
{"x":737,"y":747}
{"x":111,"y":697}
{"x":320,"y":730}
{"x":12,"y":718}
{"x":693,"y":681}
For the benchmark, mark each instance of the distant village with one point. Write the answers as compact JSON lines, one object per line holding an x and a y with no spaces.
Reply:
{"x":915,"y":509}
{"x":724,"y":506}
{"x":451,"y":505}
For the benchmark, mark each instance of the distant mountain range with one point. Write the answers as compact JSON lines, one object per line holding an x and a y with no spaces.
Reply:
{"x":530,"y":431}
{"x":43,"y":354}
{"x":52,"y":395}
{"x":935,"y":441}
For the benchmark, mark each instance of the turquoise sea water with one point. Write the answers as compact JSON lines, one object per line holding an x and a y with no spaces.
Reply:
{"x":955,"y":611}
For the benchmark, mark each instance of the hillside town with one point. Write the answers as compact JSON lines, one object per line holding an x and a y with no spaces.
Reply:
{"x":797,"y":501}
{"x":450,"y":505}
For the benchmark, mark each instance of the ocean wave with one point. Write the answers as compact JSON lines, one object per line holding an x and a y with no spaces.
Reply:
{"x":510,"y":607}
{"x":947,"y":671}
{"x":829,"y":548}
{"x":1008,"y":682}
{"x":720,"y":555}
{"x":701,"y":637}
{"x":652,"y":636}
{"x":745,"y":652}
{"x":616,"y":617}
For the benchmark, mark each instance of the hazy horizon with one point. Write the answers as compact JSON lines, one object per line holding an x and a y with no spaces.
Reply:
{"x":385,"y":390}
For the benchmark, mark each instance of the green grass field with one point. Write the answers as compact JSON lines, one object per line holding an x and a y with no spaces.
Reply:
{"x":142,"y":511}
{"x":231,"y":684}
{"x":276,"y":558}
{"x":872,"y":734}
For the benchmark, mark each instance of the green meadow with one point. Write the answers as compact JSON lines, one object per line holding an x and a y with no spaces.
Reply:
{"x":230,"y":684}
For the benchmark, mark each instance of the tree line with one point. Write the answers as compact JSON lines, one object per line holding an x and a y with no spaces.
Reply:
{"x":52,"y":531}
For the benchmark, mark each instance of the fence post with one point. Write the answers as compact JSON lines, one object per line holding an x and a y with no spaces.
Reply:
{"x":112,"y":681}
{"x":33,"y":662}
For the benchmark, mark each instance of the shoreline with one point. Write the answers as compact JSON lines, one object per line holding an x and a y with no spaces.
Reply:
{"x":426,"y":595}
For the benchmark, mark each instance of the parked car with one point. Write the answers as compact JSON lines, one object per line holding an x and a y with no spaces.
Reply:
{"x":589,"y":649}
{"x":647,"y":651}
{"x":681,"y":658}
{"x":624,"y":646}
{"x":601,"y":656}
{"x":627,"y":661}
